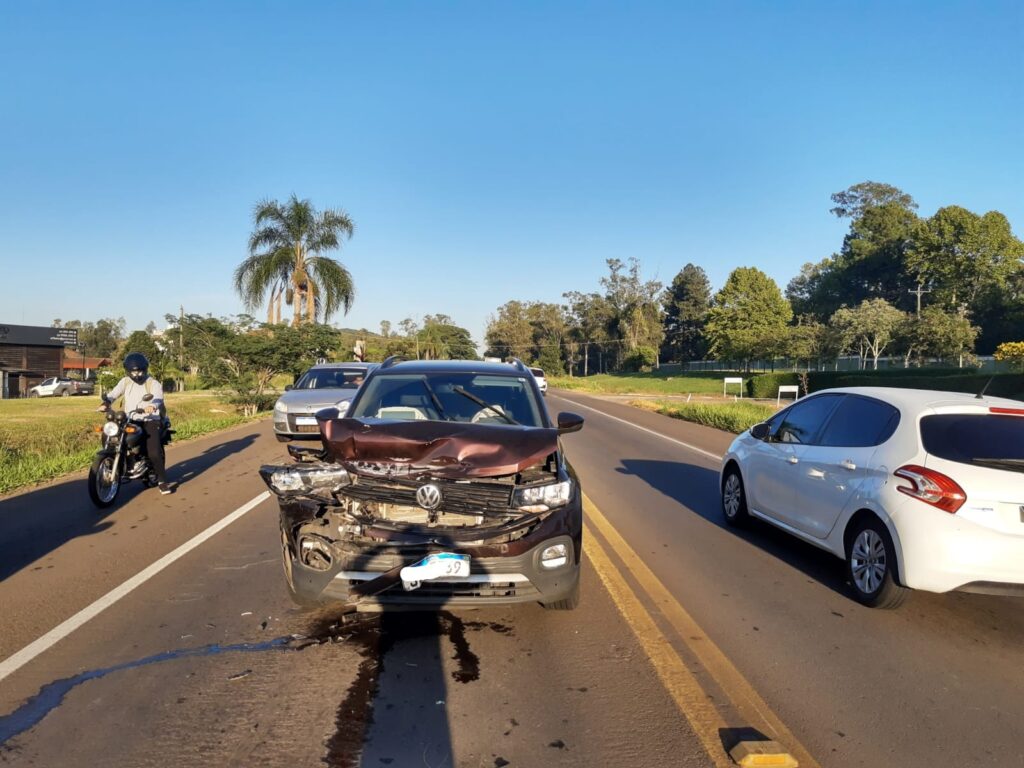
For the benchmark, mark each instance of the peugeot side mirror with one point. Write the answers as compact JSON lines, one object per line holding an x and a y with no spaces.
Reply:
{"x":569,"y":422}
{"x":760,"y":431}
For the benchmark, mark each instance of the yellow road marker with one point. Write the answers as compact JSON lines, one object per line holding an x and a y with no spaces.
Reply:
{"x":680,"y":683}
{"x":752,"y":708}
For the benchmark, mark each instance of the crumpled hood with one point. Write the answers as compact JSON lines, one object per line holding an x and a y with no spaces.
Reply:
{"x":442,"y":448}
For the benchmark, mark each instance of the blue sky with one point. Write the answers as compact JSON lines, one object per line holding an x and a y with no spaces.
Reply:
{"x":486,"y":151}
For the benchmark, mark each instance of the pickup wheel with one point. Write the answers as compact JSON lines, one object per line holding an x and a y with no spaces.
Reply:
{"x":66,"y":393}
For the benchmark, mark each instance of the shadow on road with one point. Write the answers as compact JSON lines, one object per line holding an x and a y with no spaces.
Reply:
{"x":696,"y":489}
{"x":35,"y":523}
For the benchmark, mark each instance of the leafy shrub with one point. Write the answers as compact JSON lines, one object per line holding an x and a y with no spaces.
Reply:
{"x":642,"y":359}
{"x":766,"y":385}
{"x":730,"y":417}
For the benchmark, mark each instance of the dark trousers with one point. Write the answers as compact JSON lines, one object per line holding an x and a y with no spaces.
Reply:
{"x":155,"y":448}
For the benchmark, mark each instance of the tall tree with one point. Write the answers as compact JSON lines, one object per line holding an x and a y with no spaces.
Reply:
{"x":509,"y":333}
{"x":870,"y":327}
{"x":960,"y":254}
{"x":589,"y":316}
{"x":686,"y":303}
{"x":748,"y":317}
{"x":853,"y":201}
{"x":285,"y":260}
{"x":635,"y":309}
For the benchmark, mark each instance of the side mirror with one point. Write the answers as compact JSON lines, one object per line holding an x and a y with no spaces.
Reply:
{"x":760,"y":431}
{"x":569,"y":422}
{"x":147,"y":397}
{"x":288,"y":387}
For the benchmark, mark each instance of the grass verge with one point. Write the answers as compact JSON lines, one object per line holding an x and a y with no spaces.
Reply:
{"x":730,"y":417}
{"x":44,"y":438}
{"x":643,"y":384}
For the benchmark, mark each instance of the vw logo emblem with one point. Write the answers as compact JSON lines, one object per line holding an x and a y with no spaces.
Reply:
{"x":428,"y":496}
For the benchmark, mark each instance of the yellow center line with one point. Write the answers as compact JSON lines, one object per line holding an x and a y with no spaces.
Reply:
{"x":680,"y":683}
{"x":748,"y":703}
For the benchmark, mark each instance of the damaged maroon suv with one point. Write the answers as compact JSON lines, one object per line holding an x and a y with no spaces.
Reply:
{"x":444,"y":483}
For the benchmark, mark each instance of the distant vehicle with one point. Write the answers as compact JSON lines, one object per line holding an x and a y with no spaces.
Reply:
{"x":443,"y":484}
{"x":325,"y":385}
{"x":542,"y":382}
{"x":912,"y":488}
{"x":60,"y":387}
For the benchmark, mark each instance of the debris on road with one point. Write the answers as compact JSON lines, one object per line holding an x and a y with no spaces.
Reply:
{"x":240,"y":675}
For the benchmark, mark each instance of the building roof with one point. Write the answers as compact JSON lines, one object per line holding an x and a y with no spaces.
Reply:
{"x":75,"y":362}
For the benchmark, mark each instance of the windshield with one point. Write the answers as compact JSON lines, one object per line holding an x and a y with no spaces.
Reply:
{"x":537,"y":372}
{"x":437,"y":397}
{"x":331,"y":378}
{"x":974,"y":438}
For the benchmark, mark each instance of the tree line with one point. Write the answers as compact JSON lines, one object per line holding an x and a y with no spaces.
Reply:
{"x":949,"y":286}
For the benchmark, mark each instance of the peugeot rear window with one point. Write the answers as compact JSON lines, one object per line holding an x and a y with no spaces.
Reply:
{"x":976,"y":438}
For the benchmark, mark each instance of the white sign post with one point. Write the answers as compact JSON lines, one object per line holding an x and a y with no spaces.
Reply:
{"x":732,"y":380}
{"x":788,"y":389}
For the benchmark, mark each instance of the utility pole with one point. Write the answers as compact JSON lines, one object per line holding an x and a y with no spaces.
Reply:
{"x":919,"y":293}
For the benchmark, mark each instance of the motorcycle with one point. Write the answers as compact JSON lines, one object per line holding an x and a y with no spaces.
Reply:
{"x":123,"y":456}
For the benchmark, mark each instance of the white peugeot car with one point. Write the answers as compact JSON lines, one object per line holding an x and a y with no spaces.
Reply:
{"x":912,"y":488}
{"x":542,"y":382}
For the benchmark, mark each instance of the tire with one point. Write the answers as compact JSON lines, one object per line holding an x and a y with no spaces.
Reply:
{"x":102,"y":495}
{"x":33,"y":394}
{"x":734,"y":499}
{"x":871,"y":566}
{"x":566,"y":603}
{"x":65,"y":393}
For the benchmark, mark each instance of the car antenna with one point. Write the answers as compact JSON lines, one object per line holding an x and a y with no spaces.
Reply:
{"x":984,"y":389}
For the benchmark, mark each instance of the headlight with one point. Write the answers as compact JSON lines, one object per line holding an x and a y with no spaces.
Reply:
{"x":541,"y":498}
{"x":281,"y":407}
{"x":342,"y":407}
{"x":301,"y":480}
{"x":110,"y":428}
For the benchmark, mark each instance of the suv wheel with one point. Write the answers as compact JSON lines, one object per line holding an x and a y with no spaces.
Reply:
{"x":734,"y":498}
{"x":871,"y":564}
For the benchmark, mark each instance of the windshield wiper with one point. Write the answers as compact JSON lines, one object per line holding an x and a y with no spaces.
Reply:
{"x":433,"y":397}
{"x":484,"y":404}
{"x":1014,"y":465}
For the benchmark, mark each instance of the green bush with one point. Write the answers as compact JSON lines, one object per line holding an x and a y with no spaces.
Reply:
{"x":766,"y":385}
{"x":730,"y":417}
{"x":642,"y":359}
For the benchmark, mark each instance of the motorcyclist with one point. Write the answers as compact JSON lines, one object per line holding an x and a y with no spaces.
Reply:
{"x":134,"y":387}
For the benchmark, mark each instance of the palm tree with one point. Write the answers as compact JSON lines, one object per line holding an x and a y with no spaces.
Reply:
{"x":285,"y":260}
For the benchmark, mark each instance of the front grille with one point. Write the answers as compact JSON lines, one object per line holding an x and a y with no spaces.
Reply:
{"x":469,"y":498}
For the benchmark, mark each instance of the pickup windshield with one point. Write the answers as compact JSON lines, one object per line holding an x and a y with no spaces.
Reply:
{"x":465,"y":397}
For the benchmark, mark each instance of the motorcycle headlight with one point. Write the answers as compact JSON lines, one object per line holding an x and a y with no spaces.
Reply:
{"x":541,"y":498}
{"x":110,"y":429}
{"x":290,"y":481}
{"x":280,"y":407}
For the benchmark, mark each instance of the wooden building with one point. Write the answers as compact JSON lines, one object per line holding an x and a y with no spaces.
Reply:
{"x":29,"y":354}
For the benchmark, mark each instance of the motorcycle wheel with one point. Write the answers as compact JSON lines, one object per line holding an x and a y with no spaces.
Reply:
{"x":102,"y":488}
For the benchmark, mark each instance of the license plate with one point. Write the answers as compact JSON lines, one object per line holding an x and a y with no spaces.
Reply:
{"x":440,"y":565}
{"x":305,"y":421}
{"x":307,"y":428}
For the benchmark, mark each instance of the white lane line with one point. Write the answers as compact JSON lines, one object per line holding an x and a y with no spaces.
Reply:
{"x":65,"y":628}
{"x":694,"y":448}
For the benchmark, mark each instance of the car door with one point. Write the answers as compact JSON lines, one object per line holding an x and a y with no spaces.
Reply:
{"x":773,"y":462}
{"x":834,"y":470}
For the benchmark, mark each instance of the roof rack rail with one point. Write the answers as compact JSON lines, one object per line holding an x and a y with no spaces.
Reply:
{"x":520,"y":364}
{"x":391,"y":360}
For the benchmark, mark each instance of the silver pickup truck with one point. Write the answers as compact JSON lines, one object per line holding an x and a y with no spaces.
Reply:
{"x":59,"y":387}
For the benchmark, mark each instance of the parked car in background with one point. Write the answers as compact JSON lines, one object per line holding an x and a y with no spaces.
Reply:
{"x":542,"y":382}
{"x":327,"y":385}
{"x":444,"y":483}
{"x":60,"y":387}
{"x":913,"y":489}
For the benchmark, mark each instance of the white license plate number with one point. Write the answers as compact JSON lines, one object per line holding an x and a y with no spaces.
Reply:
{"x":305,"y":421}
{"x":438,"y":566}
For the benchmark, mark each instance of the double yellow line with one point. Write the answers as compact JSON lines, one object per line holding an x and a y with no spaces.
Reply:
{"x":702,"y":712}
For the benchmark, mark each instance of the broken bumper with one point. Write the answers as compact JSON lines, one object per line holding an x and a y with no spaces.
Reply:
{"x":366,"y":573}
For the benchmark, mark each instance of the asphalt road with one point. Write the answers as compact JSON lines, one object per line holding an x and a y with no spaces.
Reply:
{"x":207,"y":662}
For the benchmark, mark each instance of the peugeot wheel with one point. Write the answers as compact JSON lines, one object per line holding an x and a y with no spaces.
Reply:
{"x":734,"y":498}
{"x":103,"y":485}
{"x":871,"y":566}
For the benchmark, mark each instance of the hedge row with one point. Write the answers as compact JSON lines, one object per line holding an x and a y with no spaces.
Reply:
{"x":1009,"y":385}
